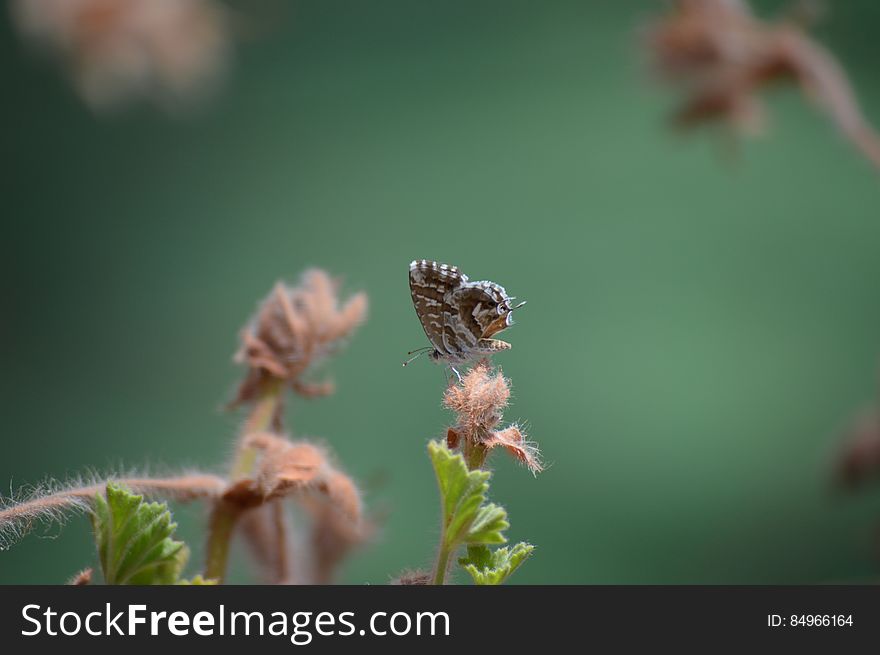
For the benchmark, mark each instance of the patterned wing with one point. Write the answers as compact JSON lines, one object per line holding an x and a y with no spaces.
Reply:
{"x":477,"y":304}
{"x":429,"y":283}
{"x":475,"y":307}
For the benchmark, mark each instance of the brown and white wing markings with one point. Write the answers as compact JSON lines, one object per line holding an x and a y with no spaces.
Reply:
{"x":430,"y":284}
{"x":458,"y":316}
{"x":476,"y":307}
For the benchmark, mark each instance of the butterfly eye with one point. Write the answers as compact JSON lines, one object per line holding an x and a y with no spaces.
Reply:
{"x":502,"y":308}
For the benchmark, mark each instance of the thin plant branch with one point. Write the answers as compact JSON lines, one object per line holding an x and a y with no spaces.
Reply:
{"x":44,"y":505}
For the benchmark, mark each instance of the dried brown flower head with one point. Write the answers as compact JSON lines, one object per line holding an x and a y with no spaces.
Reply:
{"x":294,"y":329}
{"x":286,"y":468}
{"x":479,"y":400}
{"x":720,"y":57}
{"x":302,"y":471}
{"x":168,"y":51}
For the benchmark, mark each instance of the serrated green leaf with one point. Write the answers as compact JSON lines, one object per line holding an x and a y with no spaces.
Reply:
{"x":488,"y":526}
{"x":134,"y":539}
{"x":493,"y":567}
{"x":466,"y":516}
{"x":457,"y":484}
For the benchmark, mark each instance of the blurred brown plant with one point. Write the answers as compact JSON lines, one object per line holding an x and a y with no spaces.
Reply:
{"x":479,"y":400}
{"x":285,"y":468}
{"x":169,"y":51}
{"x":293,"y":330}
{"x":303,"y":471}
{"x":266,"y":531}
{"x":720,"y":57}
{"x":859,"y":458}
{"x":334,"y":536}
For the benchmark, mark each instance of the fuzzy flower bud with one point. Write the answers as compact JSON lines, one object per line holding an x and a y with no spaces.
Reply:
{"x":479,"y":400}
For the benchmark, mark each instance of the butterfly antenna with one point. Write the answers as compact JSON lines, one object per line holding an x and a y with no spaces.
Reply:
{"x":519,"y":305}
{"x":418,"y":353}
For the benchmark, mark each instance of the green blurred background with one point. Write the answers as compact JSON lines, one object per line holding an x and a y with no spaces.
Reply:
{"x":698,"y":331}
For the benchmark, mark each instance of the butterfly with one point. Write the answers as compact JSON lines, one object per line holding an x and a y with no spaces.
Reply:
{"x":459,"y":316}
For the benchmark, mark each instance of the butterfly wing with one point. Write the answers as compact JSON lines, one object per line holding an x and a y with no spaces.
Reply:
{"x":475,"y":306}
{"x":430,"y":283}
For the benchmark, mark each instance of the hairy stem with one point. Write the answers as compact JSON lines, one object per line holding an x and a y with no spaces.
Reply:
{"x":442,"y":566}
{"x":223,"y":519}
{"x":265,"y":414}
{"x":474,"y":453}
{"x":18,"y":518}
{"x":225,"y":515}
{"x":279,"y":523}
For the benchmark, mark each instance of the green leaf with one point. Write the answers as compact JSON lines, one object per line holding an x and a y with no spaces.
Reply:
{"x":134,"y":539}
{"x":467,"y":518}
{"x":493,"y":567}
{"x":488,"y":526}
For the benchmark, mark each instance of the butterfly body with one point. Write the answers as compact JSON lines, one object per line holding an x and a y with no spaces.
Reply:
{"x":459,"y":316}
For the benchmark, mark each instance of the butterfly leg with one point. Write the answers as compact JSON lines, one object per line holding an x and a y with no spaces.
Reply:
{"x":457,"y":374}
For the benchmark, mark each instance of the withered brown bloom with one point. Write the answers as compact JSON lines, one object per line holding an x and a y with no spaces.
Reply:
{"x":479,"y":400}
{"x":167,"y":51}
{"x":286,"y":468}
{"x":294,"y":329}
{"x":720,"y":57}
{"x":302,"y":471}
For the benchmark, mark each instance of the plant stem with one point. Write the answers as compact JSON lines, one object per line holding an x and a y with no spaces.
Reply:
{"x":442,"y":565}
{"x":225,"y":514}
{"x":282,"y":570}
{"x":262,"y":417}
{"x":474,"y":455}
{"x":223,"y":519}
